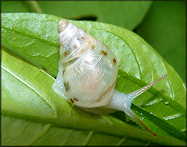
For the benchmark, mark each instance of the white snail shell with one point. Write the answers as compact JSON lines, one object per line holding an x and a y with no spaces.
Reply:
{"x":90,"y":68}
{"x":88,"y":71}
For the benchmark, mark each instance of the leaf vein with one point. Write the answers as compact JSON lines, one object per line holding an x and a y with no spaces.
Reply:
{"x":90,"y":134}
{"x":34,"y":37}
{"x":40,"y":134}
{"x":32,"y":88}
{"x":121,"y":141}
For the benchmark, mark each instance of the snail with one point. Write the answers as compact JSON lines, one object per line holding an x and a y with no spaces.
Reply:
{"x":87,"y":73}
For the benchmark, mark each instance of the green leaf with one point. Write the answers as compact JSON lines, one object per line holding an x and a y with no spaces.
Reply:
{"x":162,"y":108}
{"x":164,"y":27}
{"x":14,"y":6}
{"x":33,"y":114}
{"x":121,"y":13}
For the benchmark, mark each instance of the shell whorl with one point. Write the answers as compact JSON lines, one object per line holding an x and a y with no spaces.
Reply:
{"x":73,"y":41}
{"x":90,"y":68}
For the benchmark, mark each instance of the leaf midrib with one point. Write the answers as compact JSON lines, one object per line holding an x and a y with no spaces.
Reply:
{"x":40,"y":135}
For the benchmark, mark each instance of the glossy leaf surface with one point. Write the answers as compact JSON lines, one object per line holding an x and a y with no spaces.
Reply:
{"x":35,"y":38}
{"x":32,"y":114}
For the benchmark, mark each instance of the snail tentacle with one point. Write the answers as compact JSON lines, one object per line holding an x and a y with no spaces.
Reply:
{"x":123,"y":102}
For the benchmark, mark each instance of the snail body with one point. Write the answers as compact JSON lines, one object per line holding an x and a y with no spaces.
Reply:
{"x":88,"y":72}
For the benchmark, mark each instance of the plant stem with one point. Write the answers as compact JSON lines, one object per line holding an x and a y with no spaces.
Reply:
{"x":33,"y":5}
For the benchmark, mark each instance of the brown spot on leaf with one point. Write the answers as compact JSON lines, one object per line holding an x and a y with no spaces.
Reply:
{"x":89,"y":42}
{"x":82,"y":37}
{"x":104,"y":53}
